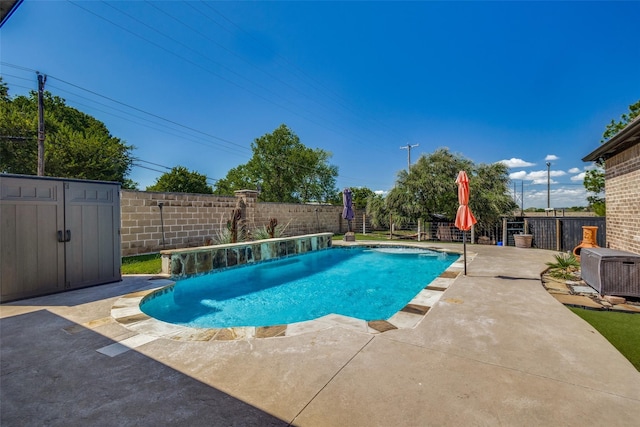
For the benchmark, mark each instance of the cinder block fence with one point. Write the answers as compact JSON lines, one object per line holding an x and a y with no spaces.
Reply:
{"x":151,"y":222}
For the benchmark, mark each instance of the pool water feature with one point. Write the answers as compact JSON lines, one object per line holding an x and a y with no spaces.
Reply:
{"x":365,"y":283}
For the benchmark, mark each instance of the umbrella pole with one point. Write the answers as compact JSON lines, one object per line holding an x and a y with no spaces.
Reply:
{"x":464,"y":245}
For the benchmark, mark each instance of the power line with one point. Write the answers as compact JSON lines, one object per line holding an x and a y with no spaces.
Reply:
{"x":339,"y":100}
{"x":182,"y":136}
{"x":294,"y":112}
{"x":154,"y":116}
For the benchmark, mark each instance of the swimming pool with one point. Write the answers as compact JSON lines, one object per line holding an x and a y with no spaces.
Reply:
{"x":365,"y":283}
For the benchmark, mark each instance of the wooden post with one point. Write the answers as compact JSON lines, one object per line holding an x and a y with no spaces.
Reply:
{"x":558,"y":235}
{"x":504,"y":232}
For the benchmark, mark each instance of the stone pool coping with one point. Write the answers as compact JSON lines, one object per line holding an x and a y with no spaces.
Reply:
{"x":126,"y":311}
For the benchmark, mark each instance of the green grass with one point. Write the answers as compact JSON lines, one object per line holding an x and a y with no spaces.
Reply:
{"x":620,"y":329}
{"x":142,"y":264}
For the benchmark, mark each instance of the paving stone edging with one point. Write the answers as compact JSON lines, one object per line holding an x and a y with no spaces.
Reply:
{"x":577,"y":293}
{"x":126,"y":311}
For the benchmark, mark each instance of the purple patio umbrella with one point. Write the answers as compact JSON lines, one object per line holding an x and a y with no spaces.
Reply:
{"x":347,"y":202}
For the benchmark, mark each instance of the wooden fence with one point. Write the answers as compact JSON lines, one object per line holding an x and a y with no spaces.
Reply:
{"x":553,"y":233}
{"x":562,"y":233}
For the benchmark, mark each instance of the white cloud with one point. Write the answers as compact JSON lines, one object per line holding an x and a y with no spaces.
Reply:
{"x":381,"y":192}
{"x":543,"y":174}
{"x":516,"y":163}
{"x":592,"y":166}
{"x":543,"y":181}
{"x":537,"y":177}
{"x":518,"y":175}
{"x":560,"y":197}
{"x":575,"y":170}
{"x":579,"y":177}
{"x":551,"y":157}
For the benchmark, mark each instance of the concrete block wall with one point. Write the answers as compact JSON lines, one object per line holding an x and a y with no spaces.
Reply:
{"x":622,"y":189}
{"x":189,"y":220}
{"x":192,"y":220}
{"x":302,"y":219}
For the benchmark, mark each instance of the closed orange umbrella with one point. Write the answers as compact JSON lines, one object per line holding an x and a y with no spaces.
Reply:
{"x":464,"y":217}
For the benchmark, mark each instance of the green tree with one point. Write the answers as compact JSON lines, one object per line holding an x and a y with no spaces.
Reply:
{"x":594,"y":184}
{"x":237,"y":178}
{"x":359,"y":195}
{"x":181,"y":180}
{"x":594,"y":179}
{"x":18,"y":137}
{"x":489,"y":198}
{"x":377,"y":211}
{"x":284,"y":169}
{"x":614,"y":127}
{"x":76,"y":145}
{"x":430,"y":190}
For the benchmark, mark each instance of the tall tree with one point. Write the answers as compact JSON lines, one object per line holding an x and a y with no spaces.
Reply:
{"x":594,"y":178}
{"x":359,"y":195}
{"x":429,"y":189}
{"x":284,"y":169}
{"x":377,"y":211}
{"x":616,"y":126}
{"x":488,"y":187}
{"x":181,"y":180}
{"x":76,"y":146}
{"x":594,"y":184}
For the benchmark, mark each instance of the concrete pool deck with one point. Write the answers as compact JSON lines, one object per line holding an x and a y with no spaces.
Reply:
{"x":496,"y":349}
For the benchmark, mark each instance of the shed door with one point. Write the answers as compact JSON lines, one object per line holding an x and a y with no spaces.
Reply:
{"x":31,"y":257}
{"x":92,"y":216}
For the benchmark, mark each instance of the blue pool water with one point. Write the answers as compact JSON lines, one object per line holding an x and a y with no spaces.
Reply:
{"x":366,"y":283}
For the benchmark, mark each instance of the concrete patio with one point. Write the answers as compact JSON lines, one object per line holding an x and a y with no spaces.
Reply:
{"x":496,"y":349}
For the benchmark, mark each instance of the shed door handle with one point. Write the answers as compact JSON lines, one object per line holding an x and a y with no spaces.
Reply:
{"x":66,"y":238}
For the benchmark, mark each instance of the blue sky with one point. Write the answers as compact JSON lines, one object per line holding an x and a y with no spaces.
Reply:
{"x":193,"y":84}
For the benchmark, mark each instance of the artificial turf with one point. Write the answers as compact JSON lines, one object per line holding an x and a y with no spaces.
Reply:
{"x":622,"y":330}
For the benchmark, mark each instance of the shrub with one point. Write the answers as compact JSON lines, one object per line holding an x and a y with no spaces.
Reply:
{"x":564,"y":267}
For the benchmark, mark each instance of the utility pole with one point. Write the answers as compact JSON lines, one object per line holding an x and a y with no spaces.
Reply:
{"x":41,"y":81}
{"x":521,"y":198}
{"x":408,"y":147}
{"x":548,"y":185}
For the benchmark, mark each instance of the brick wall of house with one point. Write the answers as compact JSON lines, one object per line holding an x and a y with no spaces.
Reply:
{"x":622,"y":189}
{"x":195,"y":219}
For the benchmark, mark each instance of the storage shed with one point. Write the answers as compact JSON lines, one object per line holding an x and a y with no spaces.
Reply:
{"x":57,"y":235}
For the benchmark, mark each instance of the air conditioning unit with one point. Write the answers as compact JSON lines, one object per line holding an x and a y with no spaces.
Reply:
{"x":610,"y":271}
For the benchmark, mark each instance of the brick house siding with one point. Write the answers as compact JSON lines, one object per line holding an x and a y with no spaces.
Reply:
{"x":622,"y":187}
{"x":621,"y":155}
